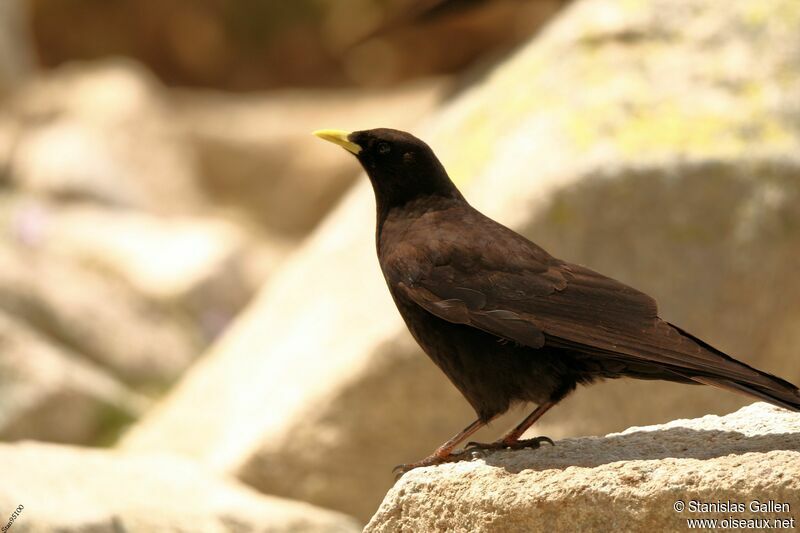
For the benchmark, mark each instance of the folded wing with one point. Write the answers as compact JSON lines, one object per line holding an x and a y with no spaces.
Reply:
{"x":555,"y":303}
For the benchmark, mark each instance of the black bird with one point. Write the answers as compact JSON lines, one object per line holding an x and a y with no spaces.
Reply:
{"x":506,"y":321}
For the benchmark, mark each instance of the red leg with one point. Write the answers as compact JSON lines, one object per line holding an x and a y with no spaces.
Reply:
{"x":443,"y":453}
{"x":511,"y":439}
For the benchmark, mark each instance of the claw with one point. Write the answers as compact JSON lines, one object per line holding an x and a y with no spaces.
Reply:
{"x":515,"y":445}
{"x":473,"y":450}
{"x":399,"y":470}
{"x":431,"y":460}
{"x":535,"y":442}
{"x":473,"y":445}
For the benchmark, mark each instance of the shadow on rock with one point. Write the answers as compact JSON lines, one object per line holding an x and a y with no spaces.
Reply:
{"x":641,"y":445}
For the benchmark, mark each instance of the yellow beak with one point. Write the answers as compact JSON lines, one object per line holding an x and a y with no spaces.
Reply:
{"x":338,"y":137}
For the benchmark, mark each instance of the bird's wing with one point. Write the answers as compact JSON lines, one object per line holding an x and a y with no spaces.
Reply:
{"x":463,"y":305}
{"x":560,"y":304}
{"x":523,"y":305}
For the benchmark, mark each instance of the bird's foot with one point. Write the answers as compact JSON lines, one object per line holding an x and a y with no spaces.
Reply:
{"x":431,"y":460}
{"x":503,"y":444}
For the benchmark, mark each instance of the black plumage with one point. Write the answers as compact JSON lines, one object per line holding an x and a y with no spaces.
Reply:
{"x":506,"y":321}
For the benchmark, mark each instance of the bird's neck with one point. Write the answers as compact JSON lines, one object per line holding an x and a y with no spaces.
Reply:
{"x":411,"y":188}
{"x":412,"y":202}
{"x":404,"y":190}
{"x":395,"y":215}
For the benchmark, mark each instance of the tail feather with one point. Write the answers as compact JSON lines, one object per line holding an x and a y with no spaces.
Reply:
{"x":763,"y":386}
{"x":793,"y":404}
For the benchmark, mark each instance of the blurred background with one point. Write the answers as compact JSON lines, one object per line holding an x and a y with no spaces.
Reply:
{"x":184,"y":269}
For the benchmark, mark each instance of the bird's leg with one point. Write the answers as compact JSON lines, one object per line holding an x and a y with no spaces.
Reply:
{"x":512,"y":439}
{"x":444,"y":453}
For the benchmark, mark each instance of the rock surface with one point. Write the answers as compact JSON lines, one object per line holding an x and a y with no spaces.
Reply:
{"x":94,"y":316}
{"x":627,"y":481}
{"x":197,"y":264}
{"x":50,"y":393}
{"x":656,"y":142}
{"x":102,"y":132}
{"x":75,"y":490}
{"x":109,"y":250}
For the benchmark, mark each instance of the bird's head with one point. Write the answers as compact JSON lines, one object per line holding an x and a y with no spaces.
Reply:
{"x":400,"y":166}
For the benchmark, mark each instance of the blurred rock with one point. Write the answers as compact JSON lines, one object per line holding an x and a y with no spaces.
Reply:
{"x":655,"y":141}
{"x":74,"y":490}
{"x":257,"y":153}
{"x":102,"y":132}
{"x":199,"y":265}
{"x":49,"y":393}
{"x":631,"y":480}
{"x":107,"y":247}
{"x":102,"y":320}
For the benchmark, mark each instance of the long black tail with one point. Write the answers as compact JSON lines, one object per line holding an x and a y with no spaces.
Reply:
{"x":763,"y":386}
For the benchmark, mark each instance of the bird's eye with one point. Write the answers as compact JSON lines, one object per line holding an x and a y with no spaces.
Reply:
{"x":384,"y":148}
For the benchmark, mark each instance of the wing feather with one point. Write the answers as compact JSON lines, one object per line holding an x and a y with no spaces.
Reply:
{"x":570,"y":306}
